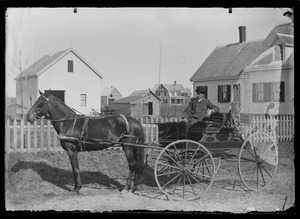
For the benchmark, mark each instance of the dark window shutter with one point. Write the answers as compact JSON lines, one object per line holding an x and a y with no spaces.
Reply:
{"x":206,"y":94}
{"x":228,"y":93}
{"x":219,"y":94}
{"x":281,"y":95}
{"x":254,"y":93}
{"x":150,"y":108}
{"x":267,"y":92}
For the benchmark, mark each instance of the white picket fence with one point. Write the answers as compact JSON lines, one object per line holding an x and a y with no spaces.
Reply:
{"x":25,"y":137}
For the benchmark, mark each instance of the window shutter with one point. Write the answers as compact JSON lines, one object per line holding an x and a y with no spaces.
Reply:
{"x":254,"y":93}
{"x":281,"y":95}
{"x":267,"y":92}
{"x":228,"y":93}
{"x":219,"y":94}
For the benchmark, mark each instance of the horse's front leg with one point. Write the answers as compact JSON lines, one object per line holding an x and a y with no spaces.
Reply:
{"x":73,"y":155}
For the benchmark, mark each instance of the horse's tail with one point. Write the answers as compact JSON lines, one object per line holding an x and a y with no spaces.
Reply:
{"x":140,"y":151}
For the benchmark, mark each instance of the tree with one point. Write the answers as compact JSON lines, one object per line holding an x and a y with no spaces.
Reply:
{"x":19,"y":67}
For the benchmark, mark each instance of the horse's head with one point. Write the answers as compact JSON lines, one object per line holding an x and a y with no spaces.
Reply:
{"x":39,"y":108}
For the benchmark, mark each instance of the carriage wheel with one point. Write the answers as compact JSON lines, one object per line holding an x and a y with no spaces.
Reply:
{"x":258,"y":161}
{"x":184,"y":169}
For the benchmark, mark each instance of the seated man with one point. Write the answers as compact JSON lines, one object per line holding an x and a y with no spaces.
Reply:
{"x":199,"y":107}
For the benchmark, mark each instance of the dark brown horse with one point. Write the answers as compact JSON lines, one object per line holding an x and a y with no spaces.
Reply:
{"x":80,"y":133}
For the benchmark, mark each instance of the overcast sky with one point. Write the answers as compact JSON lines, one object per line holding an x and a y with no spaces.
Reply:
{"x":123,"y":44}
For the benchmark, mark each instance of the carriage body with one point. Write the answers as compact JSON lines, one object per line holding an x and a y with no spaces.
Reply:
{"x":217,"y":132}
{"x":191,"y":155}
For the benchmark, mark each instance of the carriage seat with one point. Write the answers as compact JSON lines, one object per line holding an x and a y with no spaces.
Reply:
{"x":216,"y":120}
{"x":172,"y":130}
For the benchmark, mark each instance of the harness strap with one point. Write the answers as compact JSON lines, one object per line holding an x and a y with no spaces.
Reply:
{"x":86,"y":120}
{"x":74,"y":123}
{"x":127,"y":124}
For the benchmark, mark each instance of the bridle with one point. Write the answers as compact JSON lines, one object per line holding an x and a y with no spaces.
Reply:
{"x":37,"y":114}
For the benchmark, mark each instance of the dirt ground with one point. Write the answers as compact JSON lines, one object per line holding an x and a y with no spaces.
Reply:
{"x":42,"y":182}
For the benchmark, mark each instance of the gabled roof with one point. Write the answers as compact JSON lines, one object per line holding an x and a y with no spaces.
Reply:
{"x":47,"y":61}
{"x":139,"y":93}
{"x":135,"y":95}
{"x":129,"y":99}
{"x":16,"y":104}
{"x":228,"y":61}
{"x":172,"y":87}
{"x":106,"y":91}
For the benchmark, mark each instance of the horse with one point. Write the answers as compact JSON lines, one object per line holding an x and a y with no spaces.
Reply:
{"x":81,"y":133}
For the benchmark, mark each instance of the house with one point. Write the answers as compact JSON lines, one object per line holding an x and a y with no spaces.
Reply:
{"x":65,"y":74}
{"x":254,"y":76}
{"x":172,"y":94}
{"x":14,"y":111}
{"x":138,"y":104}
{"x":108,"y":95}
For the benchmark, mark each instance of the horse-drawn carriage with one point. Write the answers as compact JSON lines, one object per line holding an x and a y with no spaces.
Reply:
{"x":190,"y":156}
{"x":185,"y":155}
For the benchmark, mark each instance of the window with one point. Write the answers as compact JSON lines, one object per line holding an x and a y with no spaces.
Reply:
{"x":224,"y":93}
{"x":83,"y":99}
{"x":279,"y":53}
{"x":110,"y":95}
{"x":165,"y":101}
{"x":70,"y":66}
{"x":268,"y":92}
{"x":150,"y":108}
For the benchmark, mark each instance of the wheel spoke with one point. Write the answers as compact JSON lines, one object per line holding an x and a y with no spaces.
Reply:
{"x":171,"y":180}
{"x":168,"y":165}
{"x":168,"y":173}
{"x":196,"y":180}
{"x":262,"y":176}
{"x":187,"y":176}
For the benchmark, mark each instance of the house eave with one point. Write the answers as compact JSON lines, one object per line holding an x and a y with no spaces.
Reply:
{"x":216,"y":78}
{"x":273,"y":66}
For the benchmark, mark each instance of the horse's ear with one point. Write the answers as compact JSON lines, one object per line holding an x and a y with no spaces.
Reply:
{"x":41,"y":93}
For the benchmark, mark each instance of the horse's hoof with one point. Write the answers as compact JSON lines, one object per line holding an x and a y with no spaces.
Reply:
{"x":138,"y":187}
{"x":75,"y":192}
{"x":127,"y":188}
{"x":124,"y":191}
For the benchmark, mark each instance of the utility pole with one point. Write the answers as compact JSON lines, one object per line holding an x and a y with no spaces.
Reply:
{"x":159,"y":72}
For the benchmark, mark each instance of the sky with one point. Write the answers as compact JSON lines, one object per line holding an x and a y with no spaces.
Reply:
{"x":133,"y":48}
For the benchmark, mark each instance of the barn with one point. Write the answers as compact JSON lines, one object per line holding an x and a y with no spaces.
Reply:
{"x":140,"y":103}
{"x":65,"y":74}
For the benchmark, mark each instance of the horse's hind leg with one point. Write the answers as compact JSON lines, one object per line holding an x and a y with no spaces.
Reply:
{"x":73,"y":155}
{"x":131,"y":165}
{"x":139,"y":171}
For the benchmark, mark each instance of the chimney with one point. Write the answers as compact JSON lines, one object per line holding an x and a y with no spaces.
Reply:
{"x":242,"y":31}
{"x":175,"y":83}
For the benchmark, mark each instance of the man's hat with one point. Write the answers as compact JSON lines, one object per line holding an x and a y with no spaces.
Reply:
{"x":201,"y":89}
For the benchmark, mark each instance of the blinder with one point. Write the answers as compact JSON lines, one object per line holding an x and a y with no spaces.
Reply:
{"x":43,"y":110}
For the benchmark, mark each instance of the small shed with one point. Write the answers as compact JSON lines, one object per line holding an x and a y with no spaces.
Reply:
{"x":109,"y":95}
{"x":140,"y":103}
{"x":14,"y":111}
